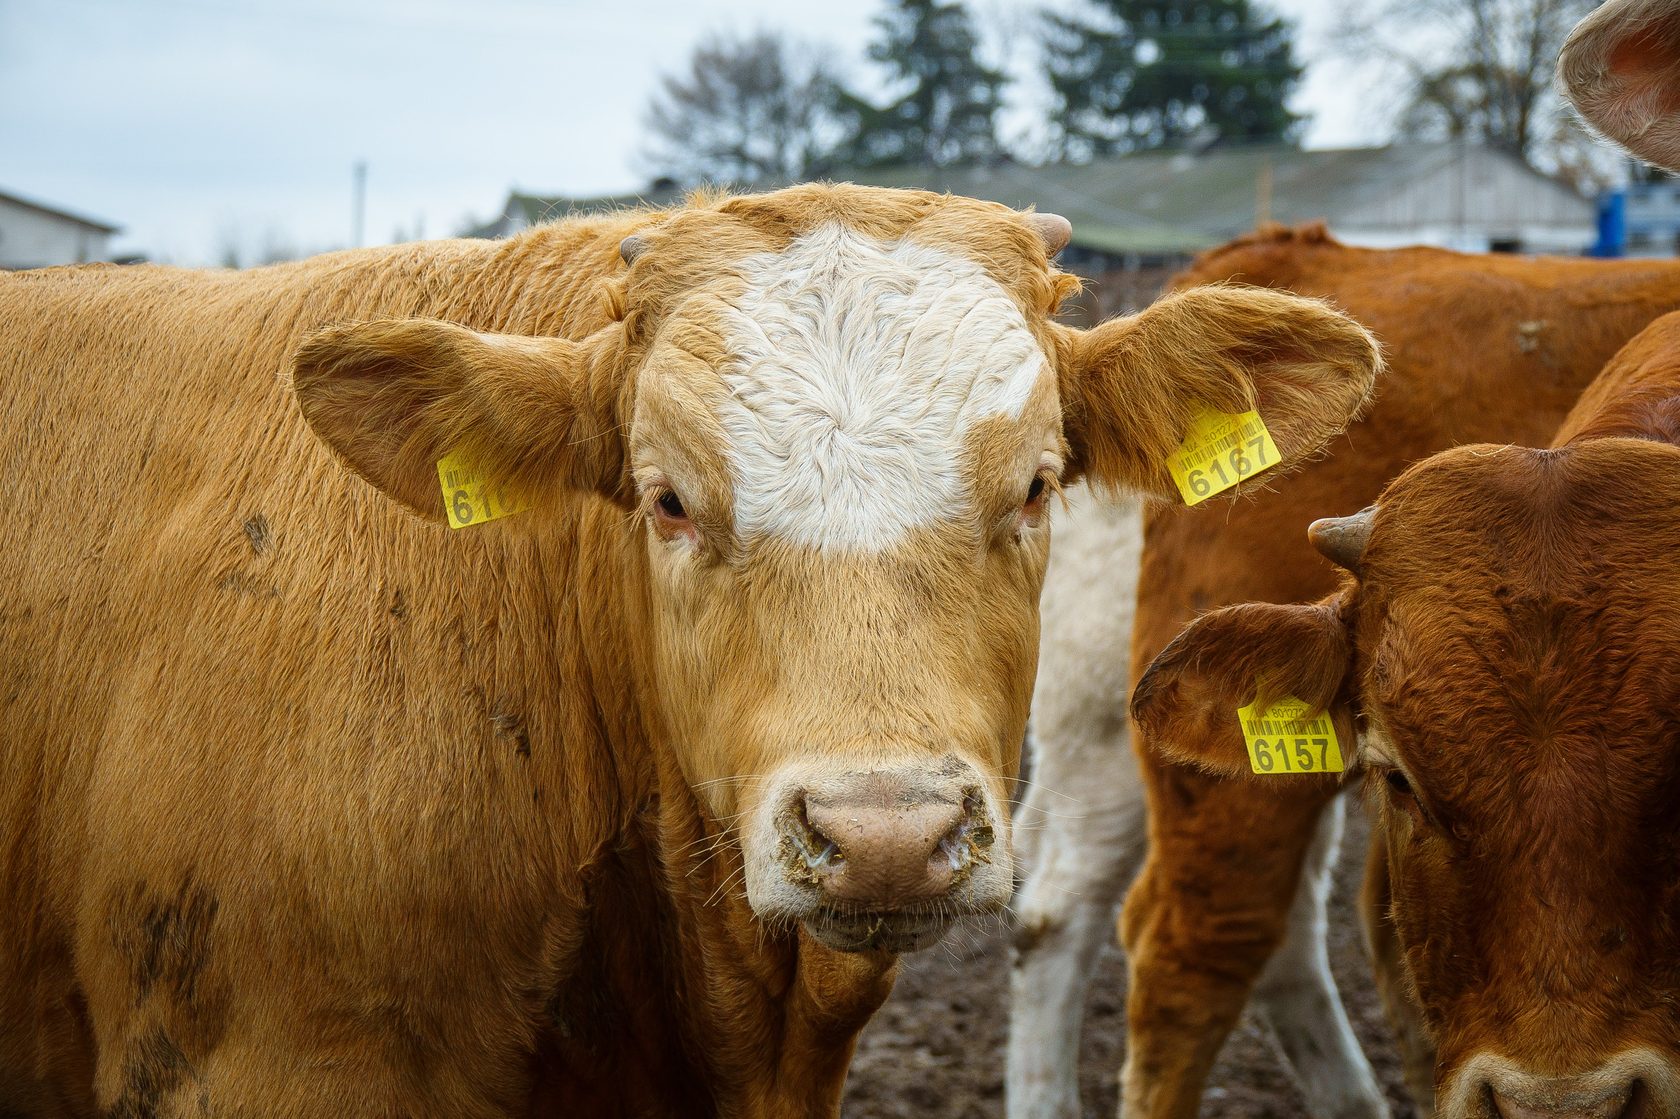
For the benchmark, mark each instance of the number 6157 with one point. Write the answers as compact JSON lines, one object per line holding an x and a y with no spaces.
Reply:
{"x":1291,"y":755}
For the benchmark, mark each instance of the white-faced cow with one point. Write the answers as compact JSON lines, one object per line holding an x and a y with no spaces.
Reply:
{"x":624,"y":804}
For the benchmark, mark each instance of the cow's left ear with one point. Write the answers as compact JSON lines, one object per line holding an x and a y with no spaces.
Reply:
{"x":1186,"y":704}
{"x":1621,"y":69}
{"x":1132,"y":386}
{"x":392,"y":398}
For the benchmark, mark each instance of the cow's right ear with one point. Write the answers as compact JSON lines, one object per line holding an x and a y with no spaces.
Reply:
{"x":1187,"y":701}
{"x":1131,"y":387}
{"x":392,"y":398}
{"x":1621,"y":69}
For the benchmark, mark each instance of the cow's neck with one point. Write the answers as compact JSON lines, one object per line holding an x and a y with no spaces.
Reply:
{"x":755,"y":981}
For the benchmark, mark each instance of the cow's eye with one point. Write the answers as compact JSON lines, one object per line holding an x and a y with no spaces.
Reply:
{"x":670,"y":518}
{"x":1032,"y":510}
{"x":1397,"y":783}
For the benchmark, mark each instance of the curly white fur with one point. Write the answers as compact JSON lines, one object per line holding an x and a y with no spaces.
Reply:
{"x":860,"y":367}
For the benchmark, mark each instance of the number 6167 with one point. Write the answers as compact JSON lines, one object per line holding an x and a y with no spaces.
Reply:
{"x":1241,"y":466}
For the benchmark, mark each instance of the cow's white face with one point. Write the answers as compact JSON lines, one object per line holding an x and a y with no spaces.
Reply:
{"x":838,"y":413}
{"x":857,"y":370}
{"x":847,"y":550}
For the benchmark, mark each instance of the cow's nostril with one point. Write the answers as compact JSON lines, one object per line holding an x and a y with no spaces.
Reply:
{"x":816,"y":849}
{"x":971,"y":838}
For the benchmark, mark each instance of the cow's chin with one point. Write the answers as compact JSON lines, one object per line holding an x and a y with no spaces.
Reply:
{"x":877,"y":932}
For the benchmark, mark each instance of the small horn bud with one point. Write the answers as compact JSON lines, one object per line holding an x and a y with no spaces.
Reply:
{"x":1342,"y":540}
{"x":1053,"y":229}
{"x":632,"y":247}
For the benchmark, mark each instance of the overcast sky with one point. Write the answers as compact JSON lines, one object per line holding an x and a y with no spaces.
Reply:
{"x":193,"y":123}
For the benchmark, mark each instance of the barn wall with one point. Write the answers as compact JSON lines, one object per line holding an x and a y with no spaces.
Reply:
{"x":31,"y":238}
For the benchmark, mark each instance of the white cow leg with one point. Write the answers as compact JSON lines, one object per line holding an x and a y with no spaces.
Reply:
{"x":1296,"y":997}
{"x":1081,"y":829}
{"x":1086,"y":852}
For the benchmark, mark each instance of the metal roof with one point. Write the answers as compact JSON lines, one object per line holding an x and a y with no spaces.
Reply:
{"x":54,"y":211}
{"x":1172,"y":201}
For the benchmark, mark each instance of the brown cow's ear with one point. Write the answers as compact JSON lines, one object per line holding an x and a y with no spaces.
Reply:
{"x":1186,"y":704}
{"x":392,"y":398}
{"x":1621,"y":69}
{"x":1132,"y":386}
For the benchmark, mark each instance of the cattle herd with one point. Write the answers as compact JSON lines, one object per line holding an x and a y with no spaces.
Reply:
{"x":626,"y":802}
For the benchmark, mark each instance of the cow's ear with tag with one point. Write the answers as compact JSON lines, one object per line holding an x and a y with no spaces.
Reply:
{"x":1132,"y":387}
{"x":1186,"y":704}
{"x":393,"y":398}
{"x":1621,"y":69}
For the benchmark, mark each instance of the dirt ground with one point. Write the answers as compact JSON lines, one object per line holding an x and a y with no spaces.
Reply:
{"x":936,"y":1050}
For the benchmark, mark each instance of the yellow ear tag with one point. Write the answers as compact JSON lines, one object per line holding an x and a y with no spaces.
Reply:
{"x":1281,"y":739}
{"x":471,"y":499}
{"x":1218,"y":451}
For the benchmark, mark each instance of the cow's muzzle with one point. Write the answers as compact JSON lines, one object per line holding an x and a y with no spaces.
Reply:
{"x":1636,"y":1085}
{"x":884,"y":858}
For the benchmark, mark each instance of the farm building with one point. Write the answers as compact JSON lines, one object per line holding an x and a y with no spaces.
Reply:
{"x":34,"y":235}
{"x":1138,"y":218}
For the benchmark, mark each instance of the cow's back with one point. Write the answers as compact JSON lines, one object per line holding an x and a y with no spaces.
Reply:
{"x":1480,"y":349}
{"x":258,"y":719}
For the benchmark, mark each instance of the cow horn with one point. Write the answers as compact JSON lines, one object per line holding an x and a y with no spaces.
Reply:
{"x":632,"y":247}
{"x":1053,"y":229}
{"x":1342,"y":540}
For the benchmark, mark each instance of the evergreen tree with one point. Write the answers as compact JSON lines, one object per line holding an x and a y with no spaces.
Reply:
{"x":946,"y":114}
{"x":1157,"y":73}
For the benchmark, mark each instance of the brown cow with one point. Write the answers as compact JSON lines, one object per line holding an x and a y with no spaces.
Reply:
{"x":1509,"y":651}
{"x":1508,"y":644}
{"x":1481,"y":348}
{"x":620,"y":806}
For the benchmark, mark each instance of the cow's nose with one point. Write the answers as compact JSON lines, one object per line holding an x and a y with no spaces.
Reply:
{"x":883,"y":849}
{"x":1614,"y":1103}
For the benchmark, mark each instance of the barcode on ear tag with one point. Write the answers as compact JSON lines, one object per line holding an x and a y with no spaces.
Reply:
{"x":1282,"y":739}
{"x":469,"y":498}
{"x":1220,"y":450}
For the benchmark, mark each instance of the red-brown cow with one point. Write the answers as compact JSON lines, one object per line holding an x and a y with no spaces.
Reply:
{"x":1480,"y":348}
{"x":1508,"y":652}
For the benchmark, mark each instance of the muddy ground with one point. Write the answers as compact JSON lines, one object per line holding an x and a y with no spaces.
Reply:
{"x":936,"y":1050}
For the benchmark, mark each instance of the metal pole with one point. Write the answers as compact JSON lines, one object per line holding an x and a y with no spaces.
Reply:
{"x":358,"y":202}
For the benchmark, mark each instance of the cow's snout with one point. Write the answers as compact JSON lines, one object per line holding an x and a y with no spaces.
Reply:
{"x":877,"y":845}
{"x":879,"y":858}
{"x":1639,"y":1084}
{"x":1619,"y":1103}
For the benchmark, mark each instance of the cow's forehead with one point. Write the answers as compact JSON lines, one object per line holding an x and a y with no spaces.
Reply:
{"x":1520,"y":600}
{"x":855,"y":371}
{"x":1575,"y":521}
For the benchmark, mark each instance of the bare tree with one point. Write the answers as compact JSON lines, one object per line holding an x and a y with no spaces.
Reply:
{"x":1480,"y":69}
{"x":745,"y":110}
{"x":236,"y":249}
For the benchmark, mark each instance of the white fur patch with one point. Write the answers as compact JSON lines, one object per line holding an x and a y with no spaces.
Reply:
{"x":859,"y":367}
